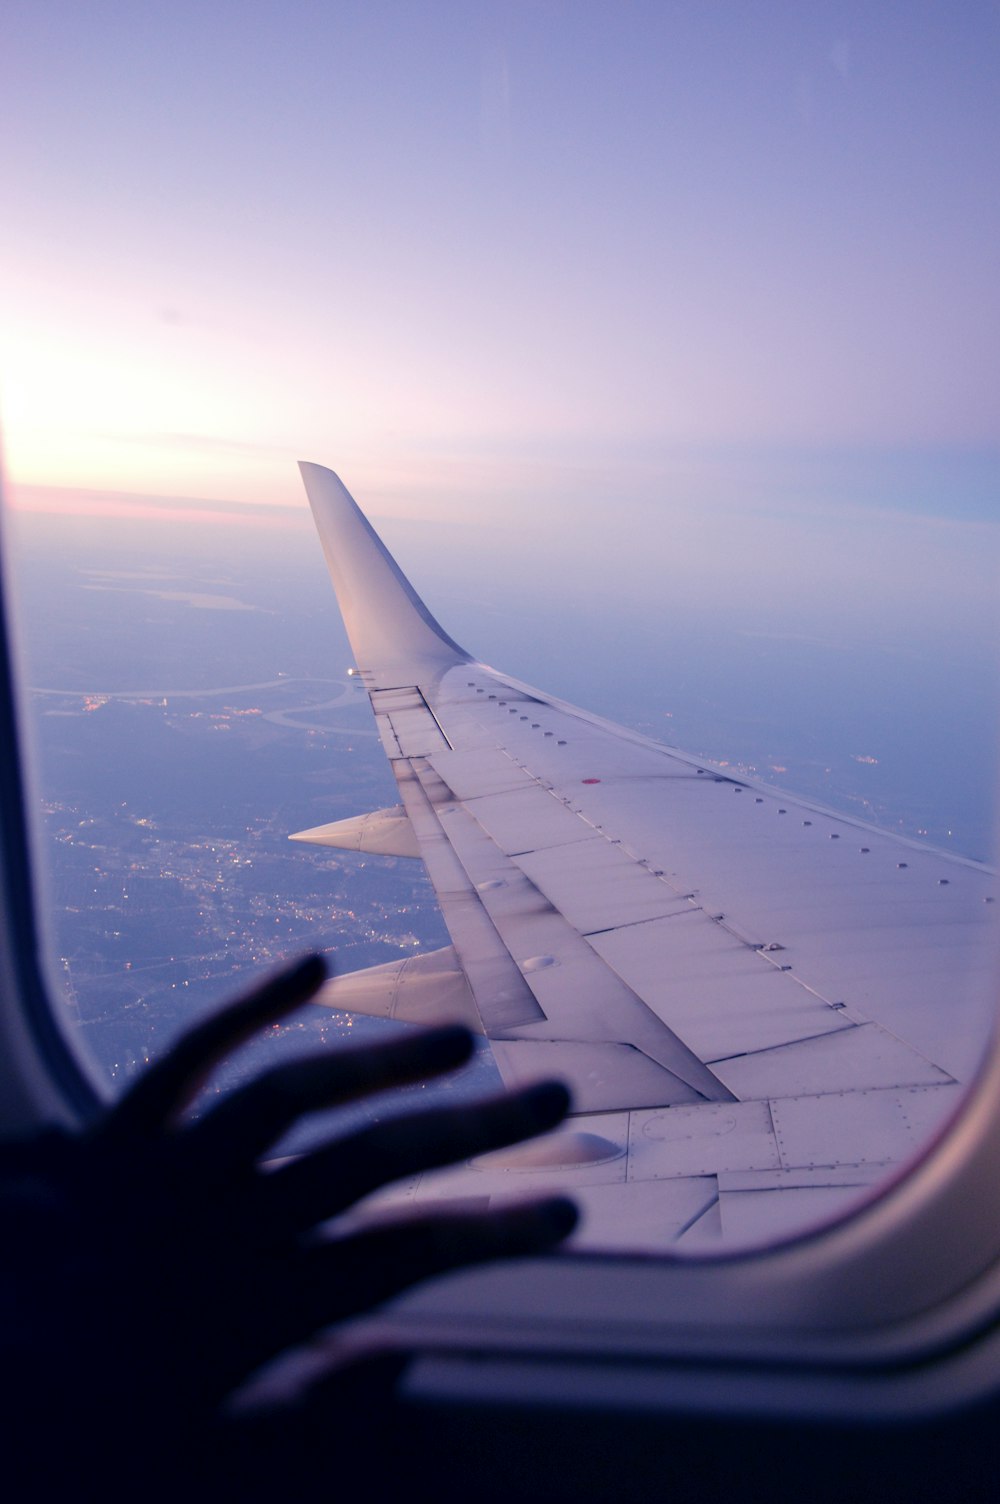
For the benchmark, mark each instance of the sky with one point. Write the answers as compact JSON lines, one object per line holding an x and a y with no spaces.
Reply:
{"x":502,"y":262}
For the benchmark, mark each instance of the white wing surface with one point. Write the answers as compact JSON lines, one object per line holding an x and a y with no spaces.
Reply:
{"x":761,"y":1006}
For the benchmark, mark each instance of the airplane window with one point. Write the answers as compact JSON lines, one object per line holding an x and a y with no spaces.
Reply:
{"x":659,"y":346}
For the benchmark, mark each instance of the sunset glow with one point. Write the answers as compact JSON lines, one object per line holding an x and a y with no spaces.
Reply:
{"x":473,"y":253}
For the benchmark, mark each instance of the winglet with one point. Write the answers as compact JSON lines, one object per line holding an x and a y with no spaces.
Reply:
{"x":394,"y":637}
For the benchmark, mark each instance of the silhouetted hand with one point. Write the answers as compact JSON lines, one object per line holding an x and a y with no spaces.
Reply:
{"x":150,"y":1265}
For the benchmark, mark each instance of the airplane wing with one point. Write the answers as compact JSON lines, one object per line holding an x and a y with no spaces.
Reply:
{"x":761,"y":1006}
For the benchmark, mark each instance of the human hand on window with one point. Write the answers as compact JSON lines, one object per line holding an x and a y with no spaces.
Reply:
{"x":159,"y":1264}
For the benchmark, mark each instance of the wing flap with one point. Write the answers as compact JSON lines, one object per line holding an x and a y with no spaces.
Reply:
{"x":605,"y":1077}
{"x":722,"y":997}
{"x":850,"y":1060}
{"x":579,"y":998}
{"x":502,"y":996}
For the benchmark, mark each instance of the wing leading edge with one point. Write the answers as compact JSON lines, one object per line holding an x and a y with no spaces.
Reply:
{"x":761,"y":1006}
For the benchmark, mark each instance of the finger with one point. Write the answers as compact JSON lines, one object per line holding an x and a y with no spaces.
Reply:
{"x":363,"y":1382}
{"x":326,"y":1394}
{"x":171,"y":1082}
{"x":327,"y":1181}
{"x":246,"y":1123}
{"x":266,"y":1446}
{"x":382,"y":1261}
{"x":349,"y":1275}
{"x":360,"y":1388}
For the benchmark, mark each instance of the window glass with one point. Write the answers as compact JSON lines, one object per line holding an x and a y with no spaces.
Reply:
{"x":660,"y":344}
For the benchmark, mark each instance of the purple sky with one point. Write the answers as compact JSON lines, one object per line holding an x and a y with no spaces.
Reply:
{"x":472,"y":253}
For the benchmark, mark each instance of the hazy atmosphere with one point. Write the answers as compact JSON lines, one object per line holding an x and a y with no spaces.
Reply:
{"x":553,"y":251}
